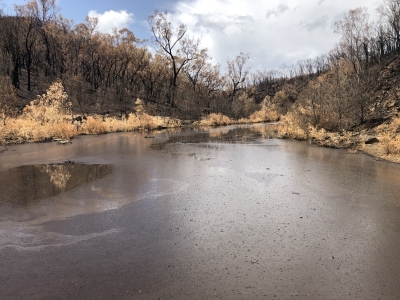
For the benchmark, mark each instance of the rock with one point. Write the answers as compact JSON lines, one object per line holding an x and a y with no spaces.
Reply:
{"x":64,"y":142}
{"x":372,"y":140}
{"x":149,"y":137}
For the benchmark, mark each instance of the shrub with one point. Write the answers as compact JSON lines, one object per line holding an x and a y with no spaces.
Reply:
{"x":390,"y":144}
{"x":215,"y":120}
{"x":51,"y":107}
{"x":390,"y":141}
{"x":243,"y":105}
{"x":93,"y":125}
{"x":64,"y":130}
{"x":46,"y":117}
{"x":291,"y":126}
{"x":267,"y":113}
{"x":148,"y":122}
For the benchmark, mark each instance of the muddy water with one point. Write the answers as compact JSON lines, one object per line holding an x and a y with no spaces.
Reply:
{"x":25,"y":184}
{"x":227,"y":213}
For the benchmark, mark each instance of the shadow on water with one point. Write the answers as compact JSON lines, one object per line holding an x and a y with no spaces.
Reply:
{"x":26,"y":184}
{"x":235,"y":134}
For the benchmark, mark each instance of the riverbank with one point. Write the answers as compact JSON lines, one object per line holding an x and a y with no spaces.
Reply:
{"x":368,"y":142}
{"x":50,"y":117}
{"x":381,"y":142}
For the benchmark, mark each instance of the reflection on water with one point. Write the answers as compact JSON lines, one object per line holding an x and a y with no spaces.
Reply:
{"x":237,"y":134}
{"x":267,"y":219}
{"x":23,"y":185}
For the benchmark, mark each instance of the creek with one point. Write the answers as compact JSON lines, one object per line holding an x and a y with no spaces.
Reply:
{"x":221,"y":213}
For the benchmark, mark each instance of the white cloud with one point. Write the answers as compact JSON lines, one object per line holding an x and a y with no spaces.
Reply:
{"x":112,"y":19}
{"x":274,"y":32}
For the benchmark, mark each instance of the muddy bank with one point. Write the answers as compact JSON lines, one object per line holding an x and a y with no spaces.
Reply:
{"x":369,"y":142}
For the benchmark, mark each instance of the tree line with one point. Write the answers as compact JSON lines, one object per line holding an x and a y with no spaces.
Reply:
{"x":344,"y":88}
{"x":107,"y":73}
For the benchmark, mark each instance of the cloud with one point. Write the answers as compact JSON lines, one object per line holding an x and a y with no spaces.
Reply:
{"x":274,"y":33}
{"x":278,"y":11}
{"x":318,"y":23}
{"x":112,"y":19}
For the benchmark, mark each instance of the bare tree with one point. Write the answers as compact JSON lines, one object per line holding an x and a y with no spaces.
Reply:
{"x":195,"y":68}
{"x":174,"y":45}
{"x":36,"y":15}
{"x":238,"y":72}
{"x":390,"y":13}
{"x":11,"y":43}
{"x":355,"y":30}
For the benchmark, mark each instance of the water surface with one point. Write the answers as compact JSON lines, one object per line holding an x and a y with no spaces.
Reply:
{"x":224,"y":213}
{"x":23,"y":185}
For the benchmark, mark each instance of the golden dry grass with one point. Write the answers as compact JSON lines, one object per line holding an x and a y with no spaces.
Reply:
{"x":93,"y":125}
{"x":215,"y":120}
{"x":49,"y":117}
{"x":290,"y":127}
{"x":19,"y":130}
{"x":344,"y":139}
{"x":263,"y":115}
{"x":390,"y":144}
{"x":389,"y":137}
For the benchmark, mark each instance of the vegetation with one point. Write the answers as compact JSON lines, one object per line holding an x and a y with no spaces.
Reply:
{"x":105,"y":73}
{"x":342,"y":105}
{"x":49,"y":117}
{"x":93,"y":82}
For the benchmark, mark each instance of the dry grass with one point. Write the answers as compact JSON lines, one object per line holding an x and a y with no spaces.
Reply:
{"x":267,"y":113}
{"x":344,"y":139}
{"x":291,"y":127}
{"x":19,"y":130}
{"x":141,"y":121}
{"x":22,"y":129}
{"x":215,"y":120}
{"x":390,"y":144}
{"x":389,"y":137}
{"x":263,"y":115}
{"x":93,"y":125}
{"x":127,"y":124}
{"x":49,"y":117}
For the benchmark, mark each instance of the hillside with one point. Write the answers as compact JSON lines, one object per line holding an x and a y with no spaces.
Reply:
{"x":318,"y":115}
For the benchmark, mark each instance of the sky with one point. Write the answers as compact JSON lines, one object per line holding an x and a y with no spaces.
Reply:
{"x":274,"y":33}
